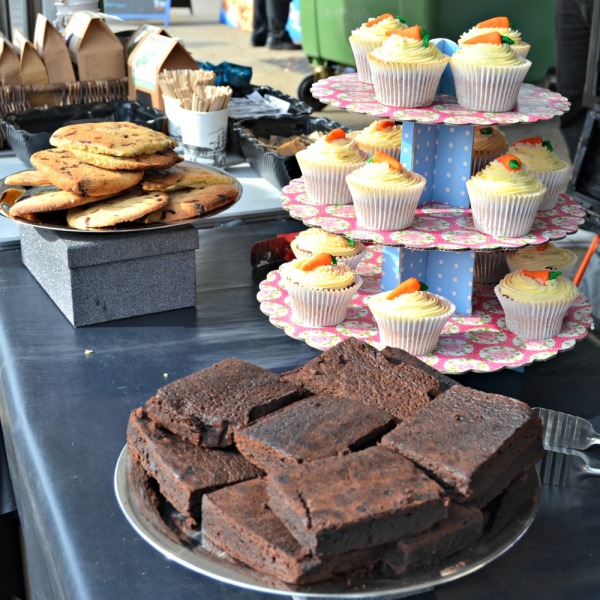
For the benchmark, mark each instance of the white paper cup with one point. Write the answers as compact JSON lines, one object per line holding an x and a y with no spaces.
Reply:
{"x":204,"y":136}
{"x":173,"y":111}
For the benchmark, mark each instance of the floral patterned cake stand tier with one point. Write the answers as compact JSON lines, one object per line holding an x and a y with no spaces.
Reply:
{"x":478,"y":342}
{"x":347,"y":92}
{"x":436,"y":226}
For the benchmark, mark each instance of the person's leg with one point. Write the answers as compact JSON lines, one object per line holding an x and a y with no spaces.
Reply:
{"x":278,"y":12}
{"x":260,"y":23}
{"x":572,"y":25}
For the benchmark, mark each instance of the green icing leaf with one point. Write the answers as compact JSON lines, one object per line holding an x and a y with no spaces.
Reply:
{"x":424,"y":287}
{"x":486,"y":130}
{"x":554,"y":275}
{"x":506,"y":40}
{"x":401,"y":19}
{"x":514,"y":164}
{"x":351,"y":241}
{"x":547,"y":144}
{"x":425,"y":37}
{"x":333,"y":260}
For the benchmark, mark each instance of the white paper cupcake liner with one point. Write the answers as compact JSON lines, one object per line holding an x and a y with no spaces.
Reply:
{"x":481,"y":160}
{"x":488,"y":88}
{"x":416,"y":336}
{"x":385,"y":208}
{"x":318,"y":307}
{"x":521,"y":49}
{"x":503,"y":215}
{"x":533,"y":321}
{"x":326,"y":183}
{"x":406,"y":85}
{"x":361,"y":49}
{"x":490,"y":267}
{"x":350,"y":261}
{"x":556,"y":182}
{"x":567,"y":270}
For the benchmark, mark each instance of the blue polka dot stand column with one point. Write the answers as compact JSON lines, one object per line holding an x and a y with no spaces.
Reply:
{"x":450,"y":274}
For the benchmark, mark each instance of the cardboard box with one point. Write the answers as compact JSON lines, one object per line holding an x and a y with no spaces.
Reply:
{"x":33,"y":69}
{"x":50,"y":45}
{"x":139,"y":34}
{"x":94,"y":49}
{"x":10,"y":68}
{"x":155,"y":53}
{"x":96,"y":278}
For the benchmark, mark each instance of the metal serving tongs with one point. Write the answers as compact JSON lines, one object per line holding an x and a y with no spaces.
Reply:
{"x":565,"y":436}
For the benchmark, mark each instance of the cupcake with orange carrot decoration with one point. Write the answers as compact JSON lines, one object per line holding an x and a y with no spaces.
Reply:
{"x":488,"y":73}
{"x":406,"y":69}
{"x":504,"y":27}
{"x":410,"y":317}
{"x":319,"y":289}
{"x":325,"y":164}
{"x":505,"y":197}
{"x":382,"y":135}
{"x":315,"y":240}
{"x":539,"y":157}
{"x":535,"y":302}
{"x":371,"y":35}
{"x":545,"y":256}
{"x":384,"y":193}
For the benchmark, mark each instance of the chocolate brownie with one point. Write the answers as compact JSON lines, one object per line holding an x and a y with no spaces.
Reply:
{"x":474,"y":443}
{"x":207,"y":406}
{"x":356,"y":370}
{"x":238,"y":521}
{"x":457,"y":531}
{"x":312,"y":428}
{"x":357,"y":500}
{"x":184,"y":472}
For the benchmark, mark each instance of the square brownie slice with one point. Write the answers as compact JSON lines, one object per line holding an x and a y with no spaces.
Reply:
{"x":312,"y":428}
{"x":362,"y":499}
{"x":356,"y":370}
{"x":238,"y":521}
{"x":474,"y":443}
{"x":207,"y":406}
{"x":184,"y":472}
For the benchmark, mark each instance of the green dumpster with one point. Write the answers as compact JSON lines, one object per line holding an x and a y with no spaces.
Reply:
{"x":327,"y":24}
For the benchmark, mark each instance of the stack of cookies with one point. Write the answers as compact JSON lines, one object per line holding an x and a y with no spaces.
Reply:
{"x":106,"y":174}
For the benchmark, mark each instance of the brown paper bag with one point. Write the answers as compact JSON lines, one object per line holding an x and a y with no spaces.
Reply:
{"x":51,"y":46}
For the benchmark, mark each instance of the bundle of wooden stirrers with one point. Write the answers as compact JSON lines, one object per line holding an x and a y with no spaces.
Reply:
{"x":194,"y":89}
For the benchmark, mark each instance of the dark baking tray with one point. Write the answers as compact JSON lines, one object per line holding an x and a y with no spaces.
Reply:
{"x":30,"y":131}
{"x":276,"y":169}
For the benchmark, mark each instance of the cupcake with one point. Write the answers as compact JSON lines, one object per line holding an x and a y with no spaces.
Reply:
{"x":503,"y":26}
{"x":385,"y":194}
{"x":547,"y":256}
{"x":488,"y":143}
{"x":369,"y":36}
{"x":317,"y":241}
{"x":319,"y":290}
{"x":487,"y":73}
{"x":505,"y":197}
{"x":406,"y":69}
{"x":535,"y":302}
{"x":409,"y":317}
{"x":382,"y":135}
{"x":490,"y":267}
{"x":325,"y":164}
{"x":539,"y":157}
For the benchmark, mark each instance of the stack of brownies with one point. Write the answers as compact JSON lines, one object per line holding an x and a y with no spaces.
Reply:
{"x":358,"y":462}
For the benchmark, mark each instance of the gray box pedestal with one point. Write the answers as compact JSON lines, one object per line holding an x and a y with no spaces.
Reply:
{"x":94,"y":278}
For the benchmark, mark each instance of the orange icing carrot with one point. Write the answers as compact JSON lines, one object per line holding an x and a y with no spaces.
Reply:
{"x":384,"y":124}
{"x":493,"y":37}
{"x":382,"y":157}
{"x":510,"y":162}
{"x":529,"y":140}
{"x":379,"y":19}
{"x":542,"y":247}
{"x":413,"y":32}
{"x":335,"y":134}
{"x":501,"y":22}
{"x":318,"y":260}
{"x":543,"y":275}
{"x":406,"y":287}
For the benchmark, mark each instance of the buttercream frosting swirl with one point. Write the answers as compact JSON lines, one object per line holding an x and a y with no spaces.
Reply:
{"x":493,"y":139}
{"x":373,"y":136}
{"x":398,"y":48}
{"x":380,"y":174}
{"x":475,"y":31}
{"x":497,"y":55}
{"x":496,"y":178}
{"x":523,"y":288}
{"x":378,"y":31}
{"x":340,"y":150}
{"x":409,"y":306}
{"x":535,"y":258}
{"x":324,"y":277}
{"x":316,"y":240}
{"x":537,"y":157}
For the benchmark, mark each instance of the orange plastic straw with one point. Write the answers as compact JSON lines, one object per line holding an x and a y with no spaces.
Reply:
{"x":586,"y":259}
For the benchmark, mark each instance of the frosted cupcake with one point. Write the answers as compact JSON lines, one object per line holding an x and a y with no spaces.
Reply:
{"x":319,"y":291}
{"x":488,"y":143}
{"x":547,"y":256}
{"x":487,"y":73}
{"x":317,"y":241}
{"x":539,"y":157}
{"x":409,"y":317}
{"x":406,"y":69}
{"x":385,"y":194}
{"x":383,"y":135}
{"x":371,"y":35}
{"x":505,"y":197}
{"x":325,"y":164}
{"x":535,"y":302}
{"x":504,"y":27}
